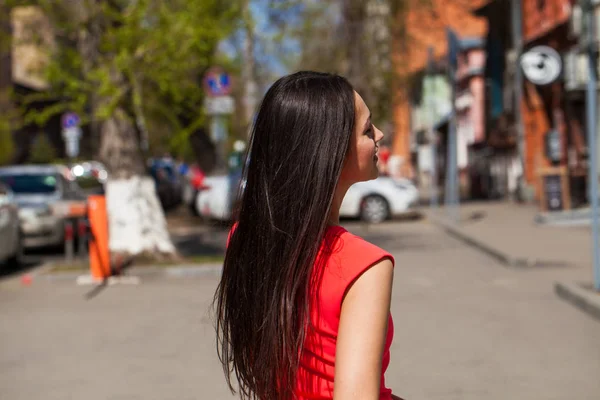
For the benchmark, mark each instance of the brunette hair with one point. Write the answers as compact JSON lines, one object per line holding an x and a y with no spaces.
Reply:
{"x":270,"y":275}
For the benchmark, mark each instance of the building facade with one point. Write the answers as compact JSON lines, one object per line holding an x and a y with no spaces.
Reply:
{"x":425,"y":27}
{"x":470,"y":112}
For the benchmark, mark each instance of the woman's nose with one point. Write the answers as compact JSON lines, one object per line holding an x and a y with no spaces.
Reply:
{"x":378,"y":135}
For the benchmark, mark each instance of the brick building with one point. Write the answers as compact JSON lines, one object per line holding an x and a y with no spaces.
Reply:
{"x":547,"y":108}
{"x":424,"y":26}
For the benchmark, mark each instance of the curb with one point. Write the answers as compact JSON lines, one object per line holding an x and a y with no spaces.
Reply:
{"x":185,"y":271}
{"x":501,"y":256}
{"x":585,"y":299}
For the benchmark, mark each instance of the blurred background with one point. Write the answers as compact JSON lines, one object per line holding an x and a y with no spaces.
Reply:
{"x":124,"y":126}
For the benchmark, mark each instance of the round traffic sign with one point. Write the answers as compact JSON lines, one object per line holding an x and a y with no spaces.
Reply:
{"x":70,"y":120}
{"x":217,"y":82}
{"x":542,"y":65}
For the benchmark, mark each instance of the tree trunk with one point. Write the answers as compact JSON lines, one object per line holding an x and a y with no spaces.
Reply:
{"x":136,"y":221}
{"x":249,"y":69}
{"x":353,"y":12}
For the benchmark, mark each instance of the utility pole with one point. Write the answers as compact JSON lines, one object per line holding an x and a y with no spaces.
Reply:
{"x":431,"y":106}
{"x":452,"y":197}
{"x":591,"y":109}
{"x":517,"y":38}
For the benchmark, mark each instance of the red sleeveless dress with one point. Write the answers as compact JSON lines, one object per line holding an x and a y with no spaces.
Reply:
{"x":346,"y":257}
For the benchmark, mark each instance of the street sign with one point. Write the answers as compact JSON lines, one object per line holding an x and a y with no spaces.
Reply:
{"x":221,"y":105}
{"x":217,"y":82}
{"x":71,"y":133}
{"x":70,"y":120}
{"x":542,"y":65}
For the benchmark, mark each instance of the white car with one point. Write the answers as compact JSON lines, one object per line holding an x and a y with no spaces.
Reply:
{"x":379,"y":199}
{"x":10,"y":232}
{"x":373,"y":201}
{"x":215,"y":199}
{"x":212,"y":202}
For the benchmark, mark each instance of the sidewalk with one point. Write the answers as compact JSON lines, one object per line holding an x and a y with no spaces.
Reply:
{"x":509,"y":233}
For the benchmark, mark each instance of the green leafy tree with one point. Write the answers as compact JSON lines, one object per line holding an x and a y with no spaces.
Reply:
{"x":132,"y":69}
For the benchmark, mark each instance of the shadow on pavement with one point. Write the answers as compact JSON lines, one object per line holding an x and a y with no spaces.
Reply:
{"x":8,"y":271}
{"x":210,"y":243}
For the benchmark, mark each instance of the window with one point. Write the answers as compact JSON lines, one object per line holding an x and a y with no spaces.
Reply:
{"x":30,"y":183}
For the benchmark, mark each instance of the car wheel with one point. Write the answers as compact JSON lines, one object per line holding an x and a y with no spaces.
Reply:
{"x":15,"y":259}
{"x":374,"y":209}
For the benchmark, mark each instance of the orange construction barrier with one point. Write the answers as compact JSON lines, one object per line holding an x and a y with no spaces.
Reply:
{"x":98,"y":245}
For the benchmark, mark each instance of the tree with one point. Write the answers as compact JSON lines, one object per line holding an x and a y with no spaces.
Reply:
{"x":123,"y":64}
{"x":352,"y":38}
{"x":7,"y":111}
{"x":42,"y":151}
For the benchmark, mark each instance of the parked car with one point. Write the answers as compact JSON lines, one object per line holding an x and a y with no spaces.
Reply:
{"x":372,"y":201}
{"x":44,"y":194}
{"x":91,"y":176}
{"x":168,"y":182}
{"x":218,"y":196}
{"x":193,"y":182}
{"x":379,"y":199}
{"x":10,"y":231}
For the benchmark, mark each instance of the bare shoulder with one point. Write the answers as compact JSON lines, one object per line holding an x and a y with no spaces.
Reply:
{"x":377,"y":277}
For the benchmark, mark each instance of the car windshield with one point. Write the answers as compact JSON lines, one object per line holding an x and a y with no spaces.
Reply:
{"x":30,"y":183}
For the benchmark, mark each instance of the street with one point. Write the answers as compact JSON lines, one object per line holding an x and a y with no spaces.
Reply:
{"x":466,"y":328}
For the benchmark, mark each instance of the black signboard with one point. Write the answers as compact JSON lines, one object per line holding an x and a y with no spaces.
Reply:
{"x":553,"y":190}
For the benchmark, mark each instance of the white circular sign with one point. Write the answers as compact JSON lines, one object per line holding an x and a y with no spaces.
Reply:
{"x":542,"y":65}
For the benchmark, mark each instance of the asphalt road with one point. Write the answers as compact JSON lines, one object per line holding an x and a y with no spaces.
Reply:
{"x":466,"y":329}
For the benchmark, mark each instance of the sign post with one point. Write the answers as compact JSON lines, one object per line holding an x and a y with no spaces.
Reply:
{"x":452,"y":197}
{"x":71,"y":133}
{"x":218,"y":103}
{"x":591,"y":108}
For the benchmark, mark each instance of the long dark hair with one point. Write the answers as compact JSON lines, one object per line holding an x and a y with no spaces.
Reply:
{"x":297,"y":151}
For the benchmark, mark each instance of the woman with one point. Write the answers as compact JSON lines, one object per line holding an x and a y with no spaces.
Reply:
{"x":303,"y":306}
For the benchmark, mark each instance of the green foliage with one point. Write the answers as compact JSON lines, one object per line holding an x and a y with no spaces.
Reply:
{"x":144,"y":56}
{"x":42,"y":151}
{"x":7,"y":145}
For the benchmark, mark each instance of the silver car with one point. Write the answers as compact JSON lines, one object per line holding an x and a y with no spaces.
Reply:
{"x":44,"y":194}
{"x":10,"y":232}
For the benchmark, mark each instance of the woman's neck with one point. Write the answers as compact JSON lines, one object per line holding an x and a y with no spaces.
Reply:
{"x":338,"y":197}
